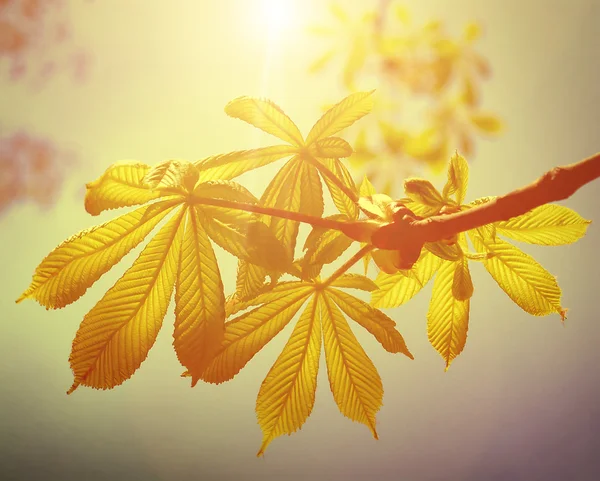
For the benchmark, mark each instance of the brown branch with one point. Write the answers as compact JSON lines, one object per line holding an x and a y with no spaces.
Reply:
{"x":555,"y":185}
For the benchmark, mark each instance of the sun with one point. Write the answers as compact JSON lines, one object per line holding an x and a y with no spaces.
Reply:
{"x":278,"y":16}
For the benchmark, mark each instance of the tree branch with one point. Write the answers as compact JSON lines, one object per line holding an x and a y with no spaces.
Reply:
{"x":556,"y":184}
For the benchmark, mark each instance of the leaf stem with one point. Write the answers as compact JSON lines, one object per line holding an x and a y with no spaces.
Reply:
{"x":347,"y":265}
{"x":274,"y":212}
{"x":321,"y":167}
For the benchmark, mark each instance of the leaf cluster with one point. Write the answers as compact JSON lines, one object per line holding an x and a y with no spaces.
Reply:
{"x":193,"y":206}
{"x":429,"y":83}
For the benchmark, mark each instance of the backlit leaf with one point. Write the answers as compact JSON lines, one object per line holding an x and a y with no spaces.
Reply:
{"x":344,"y":204}
{"x":172,"y":175}
{"x":287,"y":395}
{"x":487,"y":123}
{"x":250,"y":279}
{"x":250,"y":332}
{"x":423,"y":192}
{"x":354,"y":380}
{"x":355,"y":281}
{"x":462,"y":285}
{"x":341,"y":115}
{"x":525,"y":281}
{"x":547,"y":225}
{"x":396,"y":289}
{"x":116,"y":335}
{"x":330,"y":147}
{"x":225,"y":189}
{"x":121,"y":185}
{"x":266,"y":116}
{"x":458,"y":178}
{"x":448,"y":317}
{"x":373,"y":320}
{"x":70,"y":269}
{"x":311,"y":191}
{"x":199,"y":300}
{"x":230,"y":165}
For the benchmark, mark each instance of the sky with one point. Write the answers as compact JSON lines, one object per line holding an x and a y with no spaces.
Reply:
{"x":521,"y":401}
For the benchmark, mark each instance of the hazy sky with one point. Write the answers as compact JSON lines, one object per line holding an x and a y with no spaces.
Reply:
{"x":520,"y":403}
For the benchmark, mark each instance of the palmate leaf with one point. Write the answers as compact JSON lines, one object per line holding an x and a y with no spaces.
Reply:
{"x":70,"y":269}
{"x":287,"y":395}
{"x":396,"y":289}
{"x":548,"y":225}
{"x":230,"y":165}
{"x":458,"y":179}
{"x":341,"y":115}
{"x":373,"y":320}
{"x":343,"y":203}
{"x":266,"y":116}
{"x":121,"y":185}
{"x":448,"y":317}
{"x":250,"y":332}
{"x":354,"y":380}
{"x":199,"y":300}
{"x":116,"y":335}
{"x":525,"y":281}
{"x":355,"y":281}
{"x":172,"y":175}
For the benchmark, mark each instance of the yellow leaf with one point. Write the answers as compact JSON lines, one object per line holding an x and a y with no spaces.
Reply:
{"x":394,"y":138}
{"x":547,"y":225}
{"x":225,"y":189}
{"x":321,"y":62}
{"x":311,"y":191}
{"x":172,"y":175}
{"x":120,"y":186}
{"x":250,"y":279}
{"x":252,"y":241}
{"x":444,"y":251}
{"x":525,"y":281}
{"x":199,"y":300}
{"x":250,"y":332}
{"x":267,"y":116}
{"x":324,"y":246}
{"x":288,"y":189}
{"x":354,"y":380}
{"x":70,"y":269}
{"x":341,"y":115}
{"x":355,"y":281}
{"x":462,"y":285}
{"x":344,"y":204}
{"x":287,"y":395}
{"x":487,"y":123}
{"x":396,"y":289}
{"x":458,"y":178}
{"x":373,"y":320}
{"x":269,"y":293}
{"x":116,"y":335}
{"x":423,"y":192}
{"x":369,"y":207}
{"x":447,"y":318}
{"x":355,"y":61}
{"x":230,"y":165}
{"x":338,"y":13}
{"x":366,"y":188}
{"x":330,"y":147}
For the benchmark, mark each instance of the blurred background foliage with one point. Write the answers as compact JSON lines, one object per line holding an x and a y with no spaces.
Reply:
{"x":429,"y":96}
{"x":36,"y":45}
{"x":521,"y":403}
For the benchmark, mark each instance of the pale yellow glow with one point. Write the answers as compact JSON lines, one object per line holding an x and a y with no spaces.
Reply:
{"x":278,"y":16}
